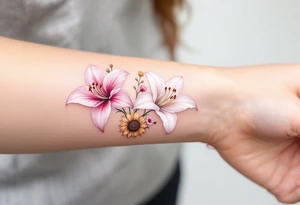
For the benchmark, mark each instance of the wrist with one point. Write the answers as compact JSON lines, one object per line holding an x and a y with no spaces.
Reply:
{"x":216,"y":98}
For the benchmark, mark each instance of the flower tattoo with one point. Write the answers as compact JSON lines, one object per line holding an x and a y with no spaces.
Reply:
{"x":166,"y":99}
{"x":103,"y":92}
{"x":133,"y":125}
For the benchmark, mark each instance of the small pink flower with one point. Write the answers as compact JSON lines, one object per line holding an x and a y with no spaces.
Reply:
{"x":149,"y":120}
{"x":103,"y":92}
{"x":143,"y":88}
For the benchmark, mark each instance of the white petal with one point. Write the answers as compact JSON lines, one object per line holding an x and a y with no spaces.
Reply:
{"x":121,"y":100}
{"x":145,"y":101}
{"x":169,"y":120}
{"x":157,"y":84}
{"x":175,"y":82}
{"x":182,"y":102}
{"x":83,"y":96}
{"x":93,"y":74}
{"x":114,"y":91}
{"x":100,"y":114}
{"x":114,"y":80}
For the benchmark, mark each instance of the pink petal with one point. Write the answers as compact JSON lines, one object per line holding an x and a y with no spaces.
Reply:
{"x":83,"y":96}
{"x":143,"y":88}
{"x":169,"y":120}
{"x":145,"y":101}
{"x":157,"y":84}
{"x":149,"y":120}
{"x":100,"y":114}
{"x":182,"y":102}
{"x":114,"y":80}
{"x":175,"y":82}
{"x":121,"y":100}
{"x":94,"y":74}
{"x":114,"y":91}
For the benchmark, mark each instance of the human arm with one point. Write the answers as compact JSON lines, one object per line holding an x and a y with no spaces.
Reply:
{"x":37,"y":80}
{"x":250,"y":115}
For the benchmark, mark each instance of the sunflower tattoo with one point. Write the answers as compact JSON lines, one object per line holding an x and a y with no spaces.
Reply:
{"x":134,"y":124}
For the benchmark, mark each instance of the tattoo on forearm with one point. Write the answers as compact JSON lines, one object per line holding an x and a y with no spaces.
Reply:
{"x":103,"y":92}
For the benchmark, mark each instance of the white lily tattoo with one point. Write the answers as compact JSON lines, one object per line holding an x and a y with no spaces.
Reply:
{"x":165,"y":98}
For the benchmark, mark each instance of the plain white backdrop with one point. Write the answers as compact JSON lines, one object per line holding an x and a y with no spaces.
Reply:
{"x":233,"y":33}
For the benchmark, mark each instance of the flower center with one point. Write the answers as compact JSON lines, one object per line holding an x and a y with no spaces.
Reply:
{"x":96,"y":90}
{"x":169,"y":95}
{"x":133,"y":125}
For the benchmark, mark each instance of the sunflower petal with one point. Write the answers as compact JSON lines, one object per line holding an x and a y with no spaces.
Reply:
{"x":136,"y":116}
{"x":129,"y":117}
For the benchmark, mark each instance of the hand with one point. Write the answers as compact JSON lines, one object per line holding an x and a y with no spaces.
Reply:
{"x":259,"y":130}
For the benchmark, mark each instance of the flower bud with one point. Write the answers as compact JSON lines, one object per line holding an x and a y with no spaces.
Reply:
{"x":143,"y":88}
{"x":141,"y":74}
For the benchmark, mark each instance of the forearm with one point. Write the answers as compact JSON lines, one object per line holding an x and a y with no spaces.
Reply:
{"x":37,"y":80}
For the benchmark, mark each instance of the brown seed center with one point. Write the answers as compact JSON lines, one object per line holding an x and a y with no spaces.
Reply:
{"x":133,"y":126}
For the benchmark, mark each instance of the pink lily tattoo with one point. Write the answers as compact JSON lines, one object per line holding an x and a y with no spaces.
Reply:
{"x":166,"y":99}
{"x":103,"y":92}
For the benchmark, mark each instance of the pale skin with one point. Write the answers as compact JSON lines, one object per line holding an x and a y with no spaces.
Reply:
{"x":251,"y":115}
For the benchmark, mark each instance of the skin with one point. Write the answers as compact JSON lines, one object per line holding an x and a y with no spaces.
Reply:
{"x":251,"y":115}
{"x":260,"y":132}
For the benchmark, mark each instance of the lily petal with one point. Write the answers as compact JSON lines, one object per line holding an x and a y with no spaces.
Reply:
{"x":175,"y":82}
{"x":83,"y":96}
{"x":169,"y":120}
{"x":182,"y":102}
{"x":145,"y":101}
{"x":94,"y":74}
{"x":114,"y":91}
{"x":114,"y":80}
{"x":121,"y":100}
{"x":100,"y":114}
{"x":157,"y":84}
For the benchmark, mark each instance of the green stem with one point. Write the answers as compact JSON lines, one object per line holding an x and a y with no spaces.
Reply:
{"x":145,"y":113}
{"x":124,"y":113}
{"x":139,"y":83}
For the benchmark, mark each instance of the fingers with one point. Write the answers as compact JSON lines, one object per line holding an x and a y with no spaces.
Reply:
{"x":290,"y":198}
{"x":294,"y":118}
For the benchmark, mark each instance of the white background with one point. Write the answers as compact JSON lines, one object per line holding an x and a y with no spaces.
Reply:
{"x":233,"y":33}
